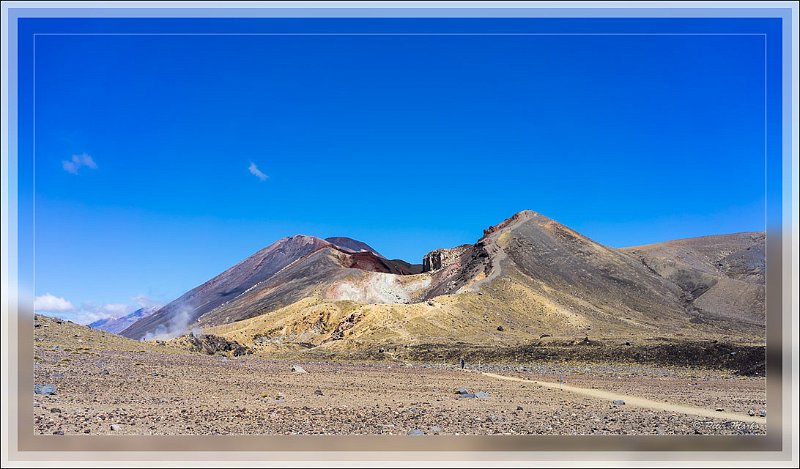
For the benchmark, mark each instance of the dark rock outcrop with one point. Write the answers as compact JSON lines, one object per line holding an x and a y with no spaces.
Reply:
{"x":212,"y":344}
{"x":442,"y":258}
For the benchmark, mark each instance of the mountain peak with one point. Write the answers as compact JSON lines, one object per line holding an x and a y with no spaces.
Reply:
{"x":568,"y":283}
{"x":521,"y":216}
{"x":526,"y":212}
{"x":353,"y":245}
{"x":298,"y":242}
{"x":301,"y":238}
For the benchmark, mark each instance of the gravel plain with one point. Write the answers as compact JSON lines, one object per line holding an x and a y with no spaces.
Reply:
{"x":104,"y":387}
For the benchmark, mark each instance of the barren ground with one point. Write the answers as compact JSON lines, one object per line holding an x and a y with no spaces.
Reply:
{"x":146,"y":389}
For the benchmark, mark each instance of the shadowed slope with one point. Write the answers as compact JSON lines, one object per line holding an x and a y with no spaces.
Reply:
{"x":526,"y":279}
{"x":278,"y":275}
{"x":720,"y":276}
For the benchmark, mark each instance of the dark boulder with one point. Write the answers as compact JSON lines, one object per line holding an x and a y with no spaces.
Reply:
{"x":211,"y":344}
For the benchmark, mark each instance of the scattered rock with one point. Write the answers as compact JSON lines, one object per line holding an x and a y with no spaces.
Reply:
{"x":115,"y":428}
{"x":298,"y":369}
{"x":415,"y":432}
{"x":58,"y":432}
{"x":318,"y":392}
{"x":348,"y":323}
{"x":720,"y":409}
{"x":762,"y":413}
{"x":55,"y":410}
{"x":466,"y":394}
{"x":212,"y":344}
{"x":435,"y":430}
{"x":46,"y":389}
{"x":87,"y":430}
{"x":519,"y":407}
{"x":105,"y":373}
{"x":751,"y":413}
{"x":500,"y":328}
{"x":619,"y":402}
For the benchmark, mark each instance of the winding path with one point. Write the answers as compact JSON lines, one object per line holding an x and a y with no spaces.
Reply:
{"x":637,"y":401}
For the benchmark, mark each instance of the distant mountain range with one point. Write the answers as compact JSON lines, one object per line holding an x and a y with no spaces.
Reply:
{"x":526,"y":277}
{"x":117,"y":325}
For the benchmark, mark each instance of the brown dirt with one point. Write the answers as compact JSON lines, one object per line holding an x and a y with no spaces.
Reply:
{"x":145,"y":388}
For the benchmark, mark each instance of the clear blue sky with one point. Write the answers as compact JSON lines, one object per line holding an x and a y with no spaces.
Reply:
{"x":408,"y":143}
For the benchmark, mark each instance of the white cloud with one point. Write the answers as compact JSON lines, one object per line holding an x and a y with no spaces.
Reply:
{"x":257,"y":172}
{"x":114,"y":310}
{"x":107,"y":310}
{"x":52,"y":304}
{"x":88,"y":317}
{"x":81,"y":317}
{"x":70,"y":167}
{"x":77,"y":162}
{"x":89,"y":312}
{"x":147,"y":302}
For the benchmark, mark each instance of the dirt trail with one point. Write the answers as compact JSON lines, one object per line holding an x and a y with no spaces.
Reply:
{"x":637,"y":401}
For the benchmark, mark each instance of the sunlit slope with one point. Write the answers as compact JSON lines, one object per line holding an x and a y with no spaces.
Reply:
{"x":528,"y":279}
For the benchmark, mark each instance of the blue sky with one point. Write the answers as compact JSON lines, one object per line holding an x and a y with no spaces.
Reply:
{"x":163,"y":160}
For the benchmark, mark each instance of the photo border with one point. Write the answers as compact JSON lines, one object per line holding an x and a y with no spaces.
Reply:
{"x":781,"y":290}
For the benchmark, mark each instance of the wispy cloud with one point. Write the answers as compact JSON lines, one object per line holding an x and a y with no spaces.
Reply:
{"x":77,"y":162}
{"x":52,"y":304}
{"x":88,"y":312}
{"x":257,"y":172}
{"x":113,"y":310}
{"x":146,"y":302}
{"x":176,"y":326}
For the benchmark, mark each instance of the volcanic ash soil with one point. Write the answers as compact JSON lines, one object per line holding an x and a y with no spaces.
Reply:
{"x":102,"y":387}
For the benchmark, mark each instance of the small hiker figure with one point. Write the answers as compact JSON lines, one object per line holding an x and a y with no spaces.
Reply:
{"x":462,"y":363}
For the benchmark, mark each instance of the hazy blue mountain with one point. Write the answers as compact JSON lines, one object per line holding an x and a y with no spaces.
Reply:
{"x":117,"y":325}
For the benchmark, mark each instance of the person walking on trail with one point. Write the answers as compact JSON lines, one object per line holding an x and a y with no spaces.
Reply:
{"x":462,"y":363}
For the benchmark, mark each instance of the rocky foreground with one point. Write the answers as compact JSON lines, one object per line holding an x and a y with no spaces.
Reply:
{"x":90,"y":382}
